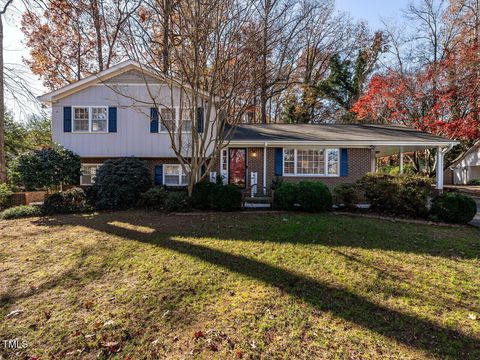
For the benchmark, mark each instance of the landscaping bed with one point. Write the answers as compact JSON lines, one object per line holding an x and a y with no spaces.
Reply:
{"x":142,"y":284}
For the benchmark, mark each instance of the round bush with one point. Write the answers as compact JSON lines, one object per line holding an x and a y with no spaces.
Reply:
{"x":226,"y":198}
{"x":66,"y":202}
{"x":5,"y":194}
{"x":201,"y":194}
{"x":453,"y":208}
{"x":346,"y":196}
{"x":177,"y":201}
{"x":314,"y":196}
{"x":153,"y":198}
{"x":285,"y":197}
{"x":120,"y":182}
{"x":21,"y":211}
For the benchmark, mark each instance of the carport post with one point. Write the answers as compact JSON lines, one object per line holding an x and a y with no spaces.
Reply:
{"x":439,"y":175}
{"x":400,"y":155}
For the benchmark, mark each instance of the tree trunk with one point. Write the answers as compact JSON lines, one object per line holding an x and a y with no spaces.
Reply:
{"x":3,"y":163}
{"x":98,"y":33}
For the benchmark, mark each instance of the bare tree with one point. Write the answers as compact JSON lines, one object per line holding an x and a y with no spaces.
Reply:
{"x":203,"y":70}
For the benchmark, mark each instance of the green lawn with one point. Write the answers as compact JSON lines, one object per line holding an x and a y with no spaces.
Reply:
{"x":135,"y":285}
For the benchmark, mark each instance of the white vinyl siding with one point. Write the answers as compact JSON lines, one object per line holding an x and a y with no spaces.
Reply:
{"x":173,"y":175}
{"x":90,"y":119}
{"x":315,"y":162}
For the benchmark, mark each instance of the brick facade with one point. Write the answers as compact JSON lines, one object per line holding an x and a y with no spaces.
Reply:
{"x":359,"y":163}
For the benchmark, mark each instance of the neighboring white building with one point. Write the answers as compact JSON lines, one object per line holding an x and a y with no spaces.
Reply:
{"x":467,"y":167}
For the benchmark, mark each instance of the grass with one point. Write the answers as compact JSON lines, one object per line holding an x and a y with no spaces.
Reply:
{"x":132,"y":285}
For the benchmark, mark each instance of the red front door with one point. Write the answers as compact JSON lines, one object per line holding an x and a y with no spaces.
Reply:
{"x":237,"y":167}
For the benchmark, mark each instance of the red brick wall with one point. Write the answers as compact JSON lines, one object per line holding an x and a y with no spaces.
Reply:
{"x":26,"y":198}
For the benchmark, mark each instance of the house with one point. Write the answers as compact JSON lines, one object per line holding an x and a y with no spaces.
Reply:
{"x":103,"y":117}
{"x":466,"y":168}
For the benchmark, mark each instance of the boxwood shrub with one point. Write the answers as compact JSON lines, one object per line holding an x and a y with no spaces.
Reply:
{"x":397,"y":194}
{"x":21,"y":211}
{"x":120,"y":182}
{"x":226,"y":198}
{"x":66,"y":202}
{"x":177,"y":201}
{"x":201,"y":194}
{"x":5,"y":196}
{"x":310,"y":196}
{"x":346,"y":196}
{"x":153,"y":198}
{"x":454,"y":208}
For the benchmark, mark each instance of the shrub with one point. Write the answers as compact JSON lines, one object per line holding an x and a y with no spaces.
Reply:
{"x":153,"y":198}
{"x":226,"y":198}
{"x":474,"y":182}
{"x":46,"y":168}
{"x":314,"y":196}
{"x":66,"y":202}
{"x":285,"y":197}
{"x":120,"y":182}
{"x":177,"y":201}
{"x":346,"y":195}
{"x":397,"y":194}
{"x":201,"y":194}
{"x":5,"y":194}
{"x":277,"y":181}
{"x":22,"y":211}
{"x":453,"y":208}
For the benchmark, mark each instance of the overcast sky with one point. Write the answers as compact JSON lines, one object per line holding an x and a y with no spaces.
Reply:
{"x":370,"y":10}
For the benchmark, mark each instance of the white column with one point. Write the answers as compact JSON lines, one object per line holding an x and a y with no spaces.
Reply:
{"x":439,"y":177}
{"x":264,"y":177}
{"x":400,"y":154}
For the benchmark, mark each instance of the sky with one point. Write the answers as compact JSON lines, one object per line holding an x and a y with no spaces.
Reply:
{"x":14,"y":48}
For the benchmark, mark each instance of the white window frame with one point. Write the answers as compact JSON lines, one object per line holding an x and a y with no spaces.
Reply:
{"x":180,"y":175}
{"x":81,"y":176}
{"x":295,"y":163}
{"x":90,"y":112}
{"x":176,"y":112}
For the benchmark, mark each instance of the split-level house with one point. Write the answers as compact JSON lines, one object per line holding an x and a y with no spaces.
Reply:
{"x":97,"y":121}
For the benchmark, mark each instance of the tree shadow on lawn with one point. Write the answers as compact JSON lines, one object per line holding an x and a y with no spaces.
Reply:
{"x":403,"y":328}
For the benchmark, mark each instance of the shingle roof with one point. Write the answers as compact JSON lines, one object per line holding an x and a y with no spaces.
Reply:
{"x":331,"y":132}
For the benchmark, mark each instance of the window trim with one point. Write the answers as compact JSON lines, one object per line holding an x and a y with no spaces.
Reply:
{"x":180,"y":175}
{"x":90,"y":120}
{"x":177,"y":119}
{"x":81,"y":175}
{"x":295,"y":163}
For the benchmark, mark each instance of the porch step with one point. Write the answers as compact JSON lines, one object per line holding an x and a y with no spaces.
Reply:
{"x":258,"y":199}
{"x":258,"y":202}
{"x":249,"y":205}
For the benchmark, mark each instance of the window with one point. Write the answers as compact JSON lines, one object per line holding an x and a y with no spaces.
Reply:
{"x":311,"y":162}
{"x":173,"y":175}
{"x":90,"y":119}
{"x":89,"y":171}
{"x":167,"y":120}
{"x":186,"y":120}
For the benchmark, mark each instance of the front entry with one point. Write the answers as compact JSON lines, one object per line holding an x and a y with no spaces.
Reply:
{"x":237,"y":167}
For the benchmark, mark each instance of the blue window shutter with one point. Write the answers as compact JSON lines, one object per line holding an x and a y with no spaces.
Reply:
{"x":200,"y":120}
{"x":158,"y":174}
{"x":153,"y":120}
{"x":278,"y":161}
{"x":67,"y":119}
{"x":343,"y":162}
{"x":112,"y":119}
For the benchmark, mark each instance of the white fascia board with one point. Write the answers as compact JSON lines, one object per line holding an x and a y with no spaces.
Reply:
{"x":348,"y":144}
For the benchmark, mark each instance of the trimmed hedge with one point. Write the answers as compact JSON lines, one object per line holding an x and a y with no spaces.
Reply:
{"x":153,"y":198}
{"x":120,"y":182}
{"x":397,"y":194}
{"x":310,"y":196}
{"x":453,"y":208}
{"x":21,"y":211}
{"x":177,"y":201}
{"x":66,"y":202}
{"x":201,"y":194}
{"x":226,"y":198}
{"x":346,"y":196}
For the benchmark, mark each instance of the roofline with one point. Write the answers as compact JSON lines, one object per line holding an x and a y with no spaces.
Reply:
{"x":102,"y":76}
{"x":345,"y":143}
{"x":466,"y":153}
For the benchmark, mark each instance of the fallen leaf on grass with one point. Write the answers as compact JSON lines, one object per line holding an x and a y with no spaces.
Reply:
{"x":239,"y":354}
{"x":198,"y":334}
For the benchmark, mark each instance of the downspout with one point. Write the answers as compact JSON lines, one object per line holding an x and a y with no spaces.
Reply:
{"x":265,"y":145}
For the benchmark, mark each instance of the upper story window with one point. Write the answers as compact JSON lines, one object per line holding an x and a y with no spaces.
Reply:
{"x":168,"y":120}
{"x":311,"y":162}
{"x":186,"y":119}
{"x":90,"y":119}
